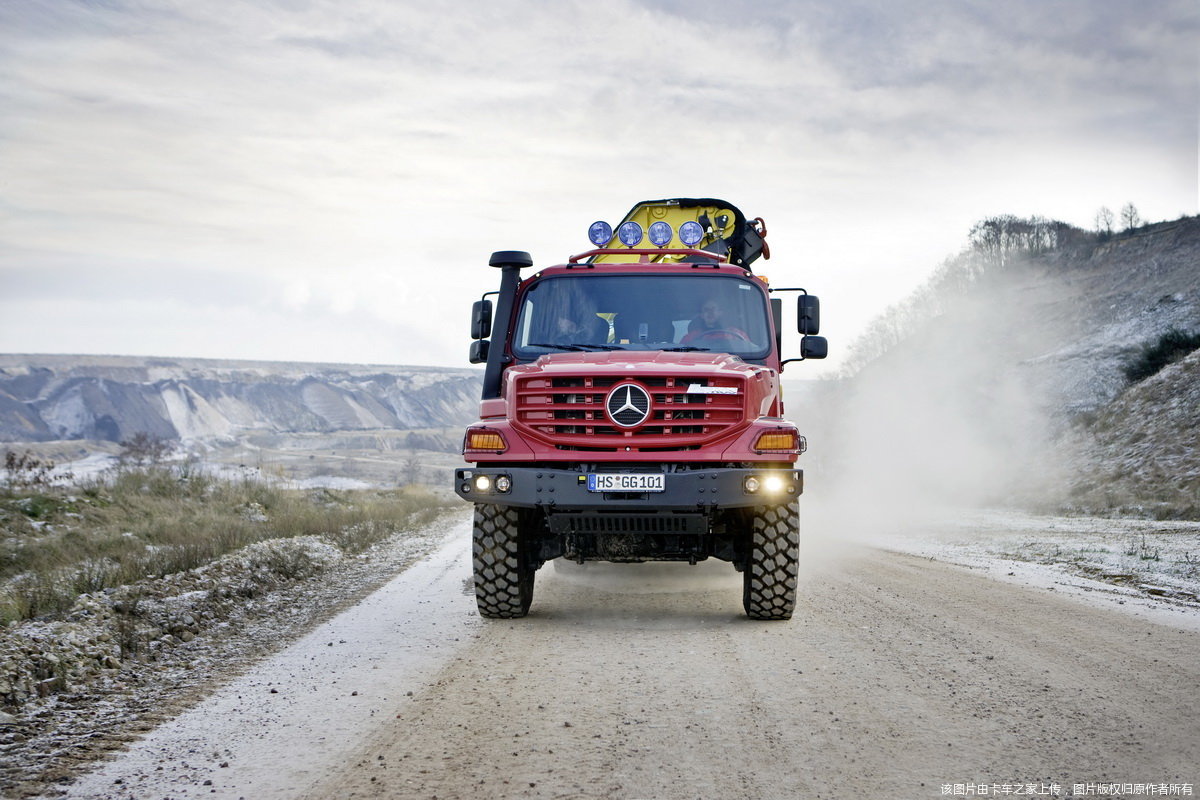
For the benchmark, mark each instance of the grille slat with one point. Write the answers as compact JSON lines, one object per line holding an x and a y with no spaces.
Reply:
{"x":626,"y":523}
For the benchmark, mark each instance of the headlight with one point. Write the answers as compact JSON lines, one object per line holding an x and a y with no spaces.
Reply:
{"x":483,"y":483}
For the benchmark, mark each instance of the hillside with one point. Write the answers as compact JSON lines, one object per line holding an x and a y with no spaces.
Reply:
{"x":1003,"y":382}
{"x":1142,"y":451}
{"x":1113,"y":298}
{"x":110,"y":398}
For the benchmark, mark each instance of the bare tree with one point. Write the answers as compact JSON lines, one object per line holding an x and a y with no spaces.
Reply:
{"x":994,"y":243}
{"x":1130,"y":218}
{"x":412,"y":467}
{"x":145,"y":448}
{"x":1001,"y":238}
{"x":1104,"y":222}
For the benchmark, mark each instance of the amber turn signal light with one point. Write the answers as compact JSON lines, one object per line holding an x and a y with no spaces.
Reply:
{"x":485,"y":440}
{"x":776,"y":440}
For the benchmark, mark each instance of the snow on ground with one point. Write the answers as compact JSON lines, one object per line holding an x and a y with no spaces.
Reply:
{"x":337,"y":482}
{"x":86,"y":468}
{"x":1147,"y":567}
{"x":97,"y":465}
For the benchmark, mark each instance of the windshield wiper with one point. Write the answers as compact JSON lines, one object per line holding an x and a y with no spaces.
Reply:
{"x":578,"y":347}
{"x":574,"y":347}
{"x":686,"y":349}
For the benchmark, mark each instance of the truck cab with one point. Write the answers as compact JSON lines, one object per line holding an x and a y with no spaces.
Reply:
{"x":632,"y":411}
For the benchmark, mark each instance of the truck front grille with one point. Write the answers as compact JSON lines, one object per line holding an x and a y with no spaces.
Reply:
{"x":569,"y":412}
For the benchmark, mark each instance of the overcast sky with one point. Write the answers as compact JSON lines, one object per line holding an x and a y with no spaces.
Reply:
{"x":324,"y":181}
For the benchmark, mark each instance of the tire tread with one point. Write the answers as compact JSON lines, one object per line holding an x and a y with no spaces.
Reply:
{"x":772,"y":564}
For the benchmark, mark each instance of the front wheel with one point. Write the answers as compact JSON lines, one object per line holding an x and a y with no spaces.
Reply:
{"x":503,"y":573}
{"x":772,"y":564}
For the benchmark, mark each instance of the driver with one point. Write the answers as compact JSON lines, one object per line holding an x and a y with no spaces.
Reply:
{"x":569,"y":331}
{"x":571,"y":315}
{"x":711,"y":323}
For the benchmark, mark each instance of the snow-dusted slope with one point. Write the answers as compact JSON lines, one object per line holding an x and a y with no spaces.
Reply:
{"x":112,"y":397}
{"x":1142,"y":451}
{"x":1013,"y":388}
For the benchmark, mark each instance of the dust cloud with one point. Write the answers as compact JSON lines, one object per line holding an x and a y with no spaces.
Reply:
{"x":961,"y":414}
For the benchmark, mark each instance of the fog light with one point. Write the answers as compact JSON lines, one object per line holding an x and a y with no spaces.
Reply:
{"x":751,"y":484}
{"x":483,"y":483}
{"x":773,"y":484}
{"x":466,"y":487}
{"x":503,"y":483}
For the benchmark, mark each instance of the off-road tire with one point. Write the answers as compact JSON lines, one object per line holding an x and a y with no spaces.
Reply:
{"x":503,"y":575}
{"x":772,"y":559}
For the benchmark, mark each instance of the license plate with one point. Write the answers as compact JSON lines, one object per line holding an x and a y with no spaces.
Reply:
{"x":625,"y":482}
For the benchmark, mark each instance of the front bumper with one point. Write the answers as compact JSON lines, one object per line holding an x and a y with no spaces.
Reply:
{"x":563,"y":490}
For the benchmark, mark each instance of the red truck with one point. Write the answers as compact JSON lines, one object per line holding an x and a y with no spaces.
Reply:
{"x":632,"y":410}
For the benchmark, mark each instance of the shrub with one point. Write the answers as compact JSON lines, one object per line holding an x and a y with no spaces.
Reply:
{"x":25,"y":470}
{"x":1170,"y":347}
{"x":155,"y":520}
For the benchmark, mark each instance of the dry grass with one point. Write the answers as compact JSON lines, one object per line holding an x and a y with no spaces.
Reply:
{"x":60,"y":542}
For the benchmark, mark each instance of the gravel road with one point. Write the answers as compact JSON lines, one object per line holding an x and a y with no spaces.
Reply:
{"x":899,"y":677}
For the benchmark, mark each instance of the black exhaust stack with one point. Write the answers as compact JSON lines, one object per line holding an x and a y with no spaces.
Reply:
{"x":510,"y":263}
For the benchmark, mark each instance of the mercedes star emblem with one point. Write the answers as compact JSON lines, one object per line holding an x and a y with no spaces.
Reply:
{"x":628,"y":405}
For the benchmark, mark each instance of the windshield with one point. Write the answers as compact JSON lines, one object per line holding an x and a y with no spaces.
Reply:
{"x":687,"y":312}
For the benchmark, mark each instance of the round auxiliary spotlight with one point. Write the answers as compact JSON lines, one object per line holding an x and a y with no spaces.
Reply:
{"x":690,"y":233}
{"x":600,"y":233}
{"x":630,"y":233}
{"x":661,"y":233}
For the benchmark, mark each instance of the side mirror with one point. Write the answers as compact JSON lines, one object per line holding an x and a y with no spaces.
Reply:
{"x":481,"y":319}
{"x":814,"y":347}
{"x":808,"y":315}
{"x":479,"y":351}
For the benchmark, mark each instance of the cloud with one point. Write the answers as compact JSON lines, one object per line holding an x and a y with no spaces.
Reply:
{"x":376,"y":152}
